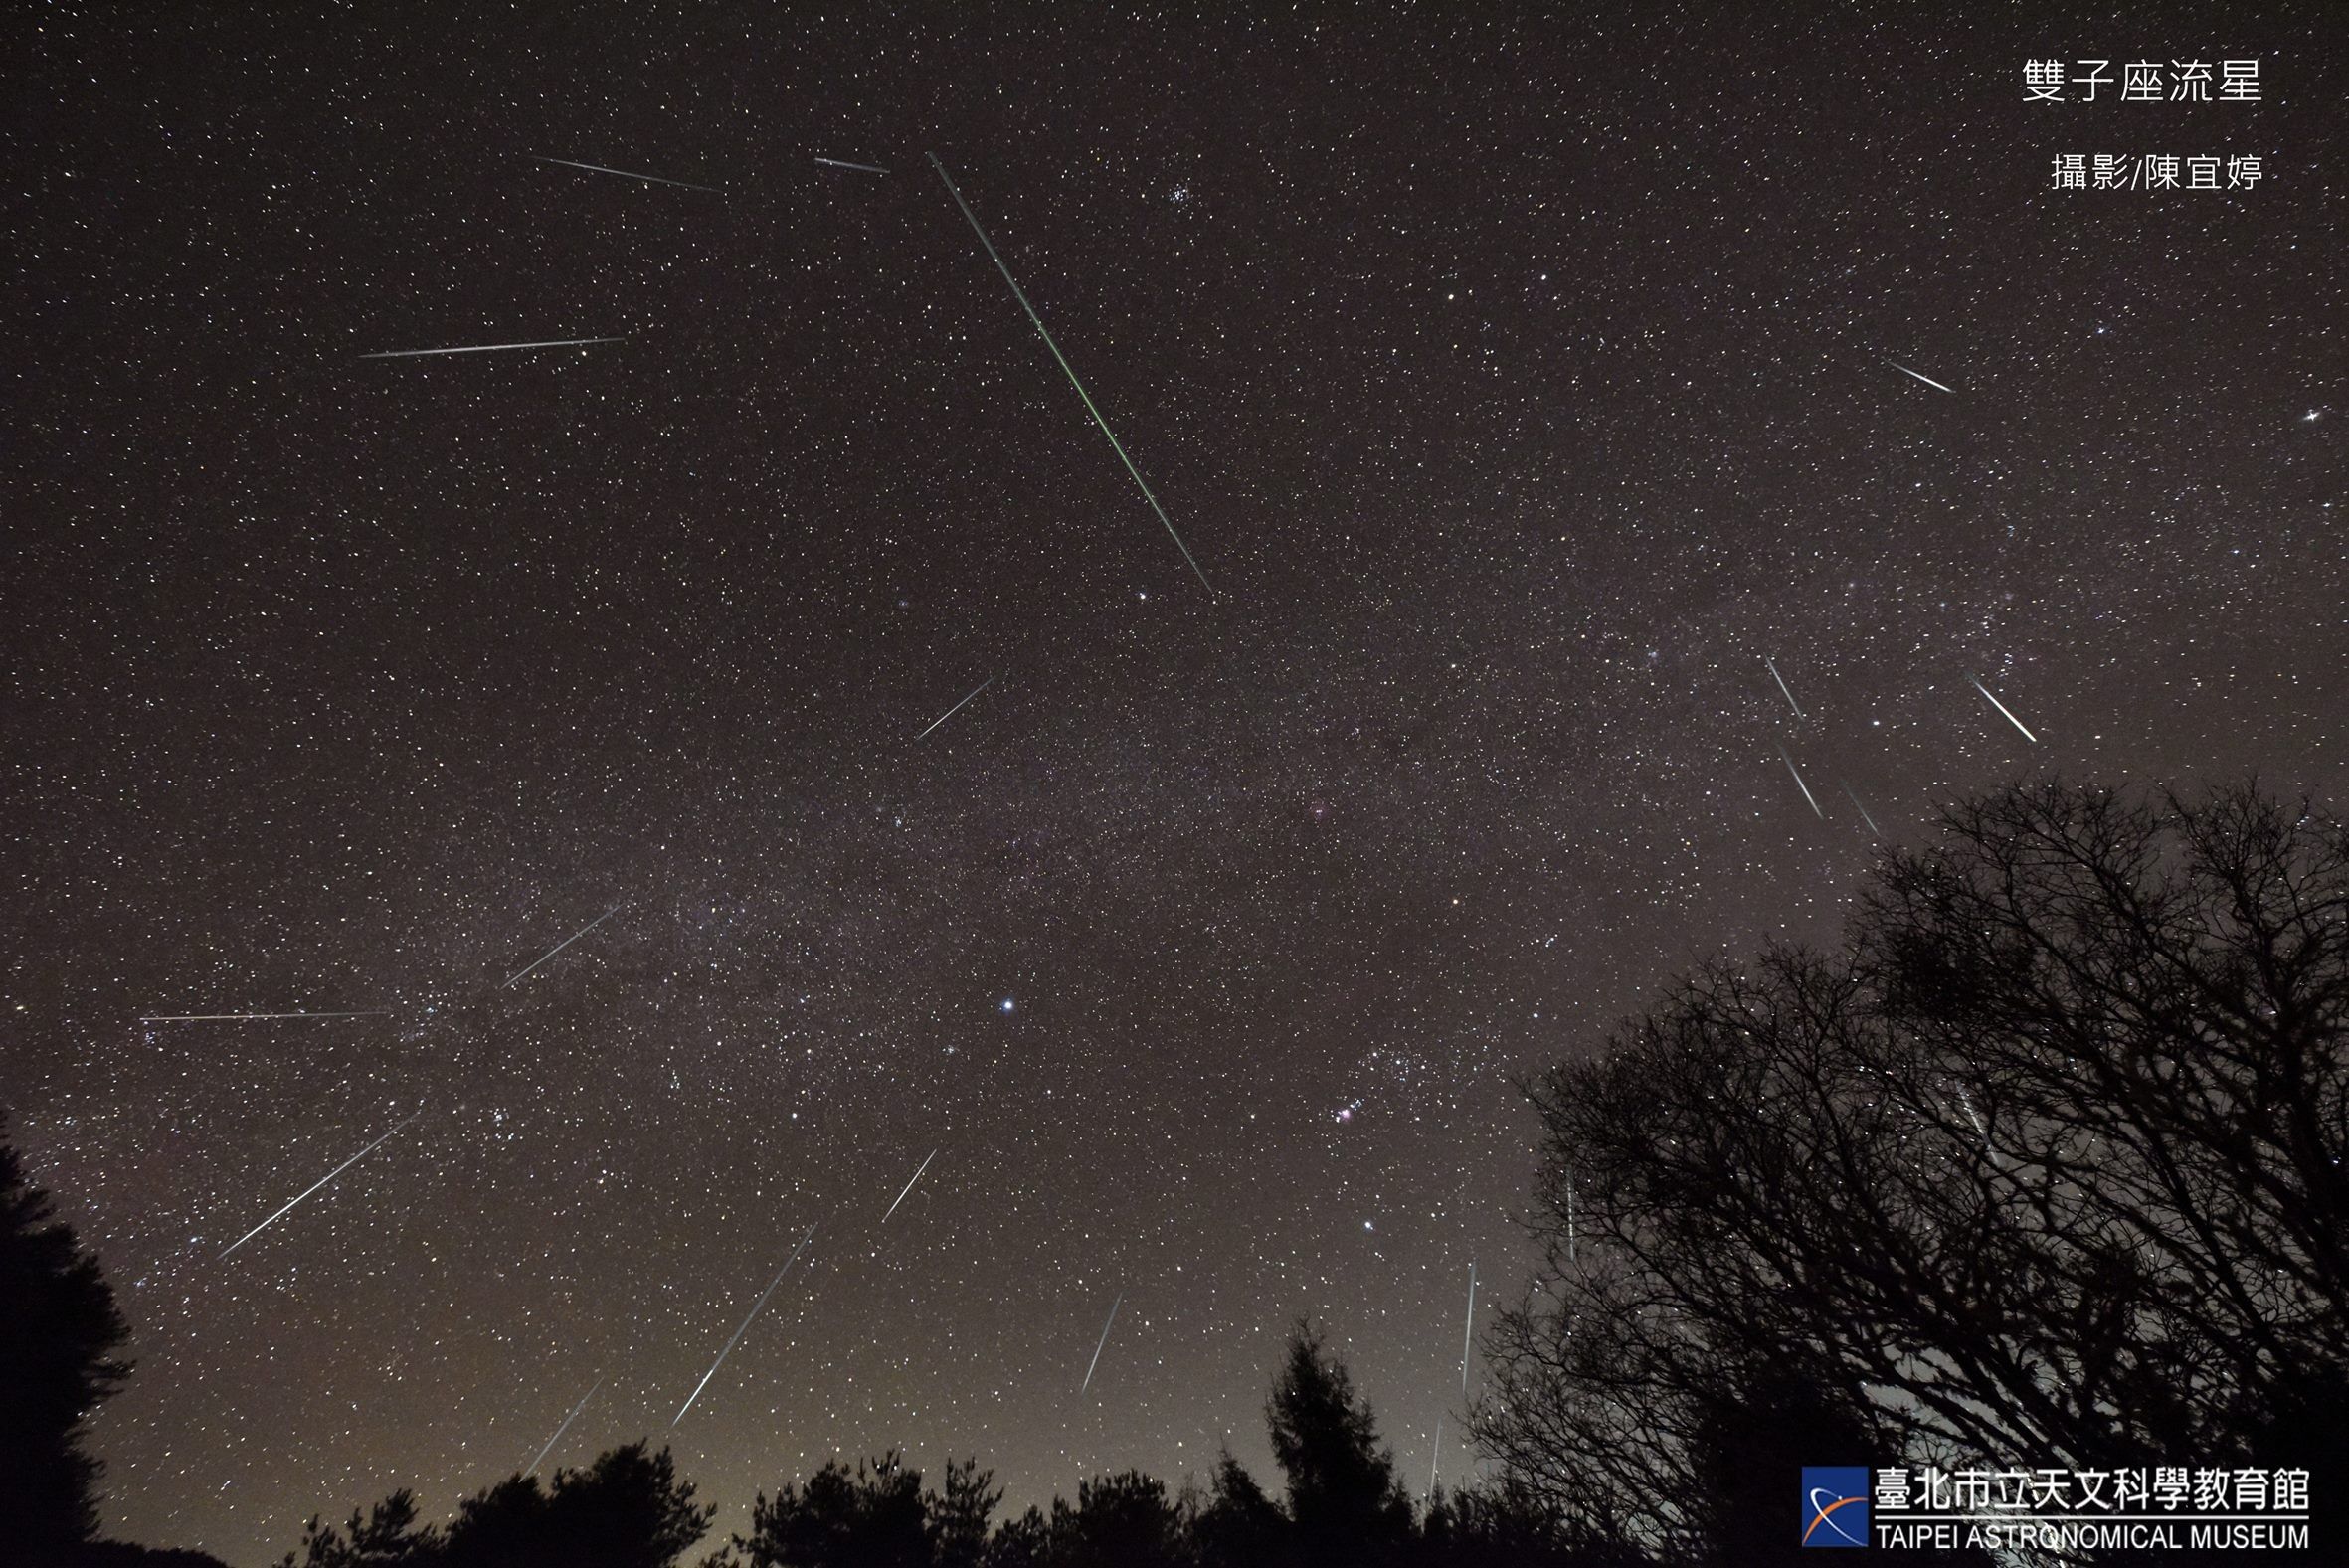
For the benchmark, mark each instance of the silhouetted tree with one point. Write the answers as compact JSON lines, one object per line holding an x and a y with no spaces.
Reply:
{"x":629,"y":1509}
{"x":1345,"y":1504}
{"x":1121,"y":1520}
{"x":1237,"y":1526}
{"x":59,"y":1332}
{"x":2044,"y":1167}
{"x":956,"y":1514}
{"x":389,"y":1535}
{"x":869,"y":1517}
{"x":1505,"y":1523}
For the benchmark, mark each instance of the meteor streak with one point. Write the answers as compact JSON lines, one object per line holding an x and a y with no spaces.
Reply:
{"x":225,"y":1017}
{"x":1433,"y":1458}
{"x":842,"y":163}
{"x":320,"y":1182}
{"x":738,"y":1332}
{"x":1072,"y":375}
{"x":1864,"y":816}
{"x":1096,"y":1362}
{"x":1468,"y":1330}
{"x":565,"y":1426}
{"x":626,"y":174}
{"x":2002,"y":707}
{"x":1799,"y":785}
{"x":489,"y":348}
{"x":957,"y":708}
{"x":1927,"y":380}
{"x":909,"y":1186}
{"x":559,"y":945}
{"x":1782,"y":680}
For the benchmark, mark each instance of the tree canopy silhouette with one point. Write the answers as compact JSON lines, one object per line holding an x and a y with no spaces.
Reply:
{"x":2043,"y":1167}
{"x":58,"y":1334}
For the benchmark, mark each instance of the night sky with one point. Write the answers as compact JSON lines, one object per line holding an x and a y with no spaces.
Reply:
{"x":1521,"y":384}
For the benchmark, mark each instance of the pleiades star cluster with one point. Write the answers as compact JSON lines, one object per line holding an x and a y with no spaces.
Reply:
{"x":1640,"y":461}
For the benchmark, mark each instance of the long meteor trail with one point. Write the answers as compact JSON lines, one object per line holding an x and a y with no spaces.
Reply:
{"x":1782,"y":680}
{"x":957,"y":708}
{"x":320,"y":1182}
{"x":843,"y":163}
{"x":559,"y":945}
{"x":909,"y":1186}
{"x":630,"y":174}
{"x":489,"y":348}
{"x":1864,"y":816}
{"x":1096,"y":1362}
{"x":1799,"y":785}
{"x":1927,"y":380}
{"x":1468,"y":1330}
{"x":745,"y":1329}
{"x":226,"y":1017}
{"x":565,"y":1426}
{"x":1021,"y":297}
{"x":2003,"y":708}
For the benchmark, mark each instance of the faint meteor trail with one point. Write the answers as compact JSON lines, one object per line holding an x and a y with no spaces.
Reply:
{"x":2002,"y":707}
{"x":843,"y":163}
{"x":559,"y":945}
{"x":489,"y":348}
{"x":957,"y":708}
{"x":1437,"y":1455}
{"x":1864,"y":816}
{"x":1927,"y":380}
{"x":320,"y":1182}
{"x":909,"y":1186}
{"x":1799,"y":785}
{"x":225,"y":1017}
{"x":630,"y":174}
{"x":1096,"y":1362}
{"x":1468,"y":1330}
{"x":1782,"y":680}
{"x":565,"y":1426}
{"x":1072,"y":375}
{"x":745,"y":1329}
{"x":1569,"y":1220}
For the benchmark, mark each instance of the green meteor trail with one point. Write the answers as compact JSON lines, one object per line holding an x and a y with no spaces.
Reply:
{"x":1072,"y":375}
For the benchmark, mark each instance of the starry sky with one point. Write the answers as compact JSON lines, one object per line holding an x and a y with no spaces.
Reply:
{"x":1526,"y":386}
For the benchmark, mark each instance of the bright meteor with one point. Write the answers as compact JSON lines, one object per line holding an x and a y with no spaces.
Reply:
{"x":1799,"y":785}
{"x":489,"y":348}
{"x":1017,"y":293}
{"x":1864,"y":816}
{"x":628,"y":174}
{"x":842,"y":163}
{"x":909,"y":1186}
{"x":957,"y":708}
{"x":745,"y":1329}
{"x":1782,"y":680}
{"x":565,"y":1426}
{"x":559,"y":945}
{"x":2002,"y":707}
{"x":320,"y":1182}
{"x":1927,"y":380}
{"x":1096,"y":1362}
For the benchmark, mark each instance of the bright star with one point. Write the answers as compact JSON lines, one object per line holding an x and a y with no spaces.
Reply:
{"x":1006,"y":1004}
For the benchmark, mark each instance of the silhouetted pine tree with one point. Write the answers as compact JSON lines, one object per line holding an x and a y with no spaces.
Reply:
{"x":1347,"y":1508}
{"x":59,"y":1332}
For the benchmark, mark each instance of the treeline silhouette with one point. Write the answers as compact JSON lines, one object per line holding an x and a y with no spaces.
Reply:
{"x":2044,"y":1167}
{"x":1344,"y":1505}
